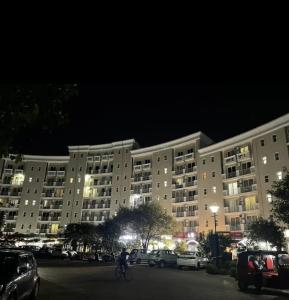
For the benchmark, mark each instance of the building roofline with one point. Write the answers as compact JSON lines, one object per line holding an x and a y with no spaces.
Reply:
{"x":113,"y":145}
{"x":170,"y":144}
{"x":248,"y":135}
{"x":45,"y":158}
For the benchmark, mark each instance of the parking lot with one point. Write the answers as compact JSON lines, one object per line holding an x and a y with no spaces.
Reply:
{"x":80,"y":280}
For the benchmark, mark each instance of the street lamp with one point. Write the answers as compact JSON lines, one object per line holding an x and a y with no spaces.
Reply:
{"x":214,"y":209}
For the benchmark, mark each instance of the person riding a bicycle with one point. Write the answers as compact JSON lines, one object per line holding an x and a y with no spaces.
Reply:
{"x":122,"y":259}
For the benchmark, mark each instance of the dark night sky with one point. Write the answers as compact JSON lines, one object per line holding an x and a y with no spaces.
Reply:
{"x":153,"y":113}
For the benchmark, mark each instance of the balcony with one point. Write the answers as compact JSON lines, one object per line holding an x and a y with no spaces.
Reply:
{"x":96,"y":158}
{"x":189,"y":156}
{"x":233,"y":227}
{"x":104,"y":157}
{"x":179,"y":159}
{"x":230,"y":159}
{"x":243,"y":172}
{"x":8,"y":171}
{"x":52,"y":206}
{"x":191,"y":170}
{"x":11,"y":218}
{"x":18,"y":171}
{"x":182,"y":214}
{"x":9,"y":206}
{"x":110,"y":156}
{"x":233,"y":209}
{"x":137,"y":168}
{"x":146,"y":166}
{"x":60,"y":173}
{"x":243,"y":156}
{"x":248,"y":189}
{"x":180,"y":171}
{"x":51,"y":173}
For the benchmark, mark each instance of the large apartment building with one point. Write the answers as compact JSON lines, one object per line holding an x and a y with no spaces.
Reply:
{"x":42,"y":194}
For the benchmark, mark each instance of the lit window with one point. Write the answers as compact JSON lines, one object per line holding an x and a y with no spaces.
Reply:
{"x":264,"y":158}
{"x":279,"y":175}
{"x":266,"y":178}
{"x":214,"y":189}
{"x":78,"y":191}
{"x":269,"y":197}
{"x":274,"y":138}
{"x":30,"y":179}
{"x":71,"y":180}
{"x":158,"y":198}
{"x":205,"y":175}
{"x":33,"y":202}
{"x":262,"y":142}
{"x":79,"y":179}
{"x":165,"y":183}
{"x":165,"y":170}
{"x":276,"y":156}
{"x":26,"y":202}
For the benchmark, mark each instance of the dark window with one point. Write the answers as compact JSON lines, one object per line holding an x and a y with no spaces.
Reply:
{"x":165,"y":157}
{"x":266,"y":178}
{"x":274,"y":138}
{"x":204,"y":161}
{"x":276,"y":156}
{"x":262,"y":143}
{"x":205,"y":191}
{"x":213,"y":174}
{"x":212,"y":159}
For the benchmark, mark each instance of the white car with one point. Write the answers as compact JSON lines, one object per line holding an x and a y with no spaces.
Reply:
{"x":191,"y":259}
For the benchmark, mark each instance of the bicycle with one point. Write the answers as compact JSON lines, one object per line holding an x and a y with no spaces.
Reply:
{"x":121,"y":272}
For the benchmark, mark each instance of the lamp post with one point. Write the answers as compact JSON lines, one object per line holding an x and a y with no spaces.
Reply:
{"x":214,"y":209}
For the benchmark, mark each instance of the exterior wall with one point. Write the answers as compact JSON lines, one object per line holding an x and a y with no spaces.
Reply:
{"x":44,"y":194}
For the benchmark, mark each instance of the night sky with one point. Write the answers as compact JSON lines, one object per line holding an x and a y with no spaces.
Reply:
{"x":156,"y":112}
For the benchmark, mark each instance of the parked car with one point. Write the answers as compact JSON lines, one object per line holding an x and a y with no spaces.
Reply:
{"x":18,"y":275}
{"x":162,"y":258}
{"x":192,"y":259}
{"x":138,"y":256}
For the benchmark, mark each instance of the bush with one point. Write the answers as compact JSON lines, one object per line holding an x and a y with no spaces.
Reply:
{"x":225,"y":268}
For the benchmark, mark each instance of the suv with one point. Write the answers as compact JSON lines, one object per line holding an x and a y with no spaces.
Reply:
{"x":163,"y":258}
{"x":18,"y":275}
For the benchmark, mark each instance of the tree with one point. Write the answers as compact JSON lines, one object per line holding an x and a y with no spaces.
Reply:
{"x":149,"y":221}
{"x":181,"y":247}
{"x":26,"y":107}
{"x":280,"y":204}
{"x":205,"y":242}
{"x":268,"y":231}
{"x":81,"y":233}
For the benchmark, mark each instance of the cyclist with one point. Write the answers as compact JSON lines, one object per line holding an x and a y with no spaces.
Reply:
{"x":122,"y":259}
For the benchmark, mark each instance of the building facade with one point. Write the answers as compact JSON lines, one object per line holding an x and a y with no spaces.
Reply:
{"x":42,"y":194}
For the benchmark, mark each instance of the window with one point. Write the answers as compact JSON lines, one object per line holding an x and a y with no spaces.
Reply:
{"x":28,"y":191}
{"x":31,"y":215}
{"x":117,"y":177}
{"x":276,"y":156}
{"x":190,"y":151}
{"x":214,"y":189}
{"x":264,"y":158}
{"x":72,"y":169}
{"x":266,"y":178}
{"x":78,"y":191}
{"x":71,"y":180}
{"x":262,"y":142}
{"x":279,"y":175}
{"x":30,"y":179}
{"x":233,"y":188}
{"x":207,"y":224}
{"x":165,"y":157}
{"x":123,"y":201}
{"x":115,"y":201}
{"x":117,"y":189}
{"x":76,"y":203}
{"x":206,"y":206}
{"x":37,"y":180}
{"x":158,"y":184}
{"x":205,"y":191}
{"x":125,"y":165}
{"x":180,"y":153}
{"x":165,"y":183}
{"x":204,"y":161}
{"x":73,"y":155}
{"x":32,"y":168}
{"x":118,"y":166}
{"x":165,"y":197}
{"x":33,"y":202}
{"x":35,"y":191}
{"x":125,"y":177}
{"x":165,"y":170}
{"x":22,"y":226}
{"x":24,"y":214}
{"x":213,"y":174}
{"x":67,"y":215}
{"x":158,"y":172}
{"x":68,"y":203}
{"x":269,"y":197}
{"x":274,"y":138}
{"x":39,"y":168}
{"x":124,"y":189}
{"x":26,"y":202}
{"x":80,"y":169}
{"x":159,"y":158}
{"x":81,"y":155}
{"x":79,"y":179}
{"x":212,"y":158}
{"x":75,"y":215}
{"x":70,"y":192}
{"x":126,"y":150}
{"x":118,"y":151}
{"x":204,"y":175}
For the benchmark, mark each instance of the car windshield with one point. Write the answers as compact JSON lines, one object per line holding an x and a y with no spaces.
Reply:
{"x":7,"y":263}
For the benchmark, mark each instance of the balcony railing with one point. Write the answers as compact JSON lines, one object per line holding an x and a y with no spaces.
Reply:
{"x":96,"y":158}
{"x":51,"y":173}
{"x":189,"y":156}
{"x":18,"y":171}
{"x":180,"y":171}
{"x":243,"y":156}
{"x":137,"y":168}
{"x":60,"y":173}
{"x":179,"y":158}
{"x":230,"y":159}
{"x":8,"y":171}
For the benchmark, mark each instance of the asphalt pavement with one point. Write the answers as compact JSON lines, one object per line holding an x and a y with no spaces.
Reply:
{"x":84,"y":281}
